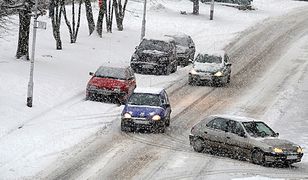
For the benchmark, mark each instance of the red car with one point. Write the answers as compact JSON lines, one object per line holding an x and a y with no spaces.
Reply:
{"x":114,"y":83}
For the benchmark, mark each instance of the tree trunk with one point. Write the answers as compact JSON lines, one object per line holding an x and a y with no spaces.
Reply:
{"x":99,"y":27}
{"x":56,"y":23}
{"x":195,"y":7}
{"x":109,"y":15}
{"x":89,"y":15}
{"x":24,"y":31}
{"x":73,"y":30}
{"x":119,"y":13}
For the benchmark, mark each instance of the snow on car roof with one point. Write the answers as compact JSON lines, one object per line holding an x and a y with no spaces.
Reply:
{"x":235,"y":117}
{"x":148,"y":90}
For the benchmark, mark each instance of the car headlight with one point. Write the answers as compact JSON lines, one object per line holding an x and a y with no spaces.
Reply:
{"x":299,"y":150}
{"x":193,"y":71}
{"x":219,"y":73}
{"x":156,"y":118}
{"x":277,"y":150}
{"x":127,"y":115}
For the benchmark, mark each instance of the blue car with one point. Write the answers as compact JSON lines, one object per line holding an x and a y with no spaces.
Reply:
{"x":146,"y":108}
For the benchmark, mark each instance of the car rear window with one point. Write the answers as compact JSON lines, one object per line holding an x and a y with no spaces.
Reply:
{"x":144,"y":99}
{"x":110,"y":72}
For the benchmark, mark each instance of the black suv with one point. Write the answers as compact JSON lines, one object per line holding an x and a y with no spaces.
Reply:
{"x":155,"y":56}
{"x":185,"y":48}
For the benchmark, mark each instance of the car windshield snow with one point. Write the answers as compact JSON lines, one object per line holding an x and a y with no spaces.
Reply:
{"x":205,"y":58}
{"x":258,"y":129}
{"x":154,"y":45}
{"x":144,"y":99}
{"x":110,"y":72}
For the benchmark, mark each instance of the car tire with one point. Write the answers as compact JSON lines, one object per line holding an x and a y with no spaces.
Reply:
{"x":229,"y":79}
{"x":257,"y":157}
{"x":191,"y":81}
{"x":162,"y":128}
{"x":198,"y":145}
{"x":124,"y":128}
{"x":175,"y":67}
{"x":168,"y":121}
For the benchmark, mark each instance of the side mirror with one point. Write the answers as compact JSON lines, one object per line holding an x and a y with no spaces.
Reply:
{"x":136,"y":47}
{"x":243,"y":134}
{"x":276,"y":134}
{"x":91,"y":73}
{"x":228,"y":64}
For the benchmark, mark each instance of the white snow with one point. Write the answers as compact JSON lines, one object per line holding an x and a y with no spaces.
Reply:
{"x":32,"y":138}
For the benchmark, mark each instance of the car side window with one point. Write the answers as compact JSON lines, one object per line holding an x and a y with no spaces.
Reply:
{"x":218,"y":123}
{"x":235,"y":127}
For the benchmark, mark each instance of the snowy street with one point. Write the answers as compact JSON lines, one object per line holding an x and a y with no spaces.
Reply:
{"x":65,"y":137}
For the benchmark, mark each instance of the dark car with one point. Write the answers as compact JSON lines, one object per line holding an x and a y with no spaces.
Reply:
{"x":210,"y":67}
{"x":185,"y":48}
{"x":155,"y":56}
{"x":243,"y":137}
{"x":147,"y":108}
{"x":114,"y":83}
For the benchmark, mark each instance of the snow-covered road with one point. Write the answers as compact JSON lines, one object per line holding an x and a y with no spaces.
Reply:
{"x":269,"y":82}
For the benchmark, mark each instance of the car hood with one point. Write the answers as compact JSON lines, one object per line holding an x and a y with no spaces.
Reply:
{"x":279,"y":143}
{"x":152,"y":53}
{"x":207,"y":67}
{"x":107,"y":83}
{"x":181,"y":49}
{"x":143,"y":111}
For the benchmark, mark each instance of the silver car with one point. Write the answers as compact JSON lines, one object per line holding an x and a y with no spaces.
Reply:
{"x":245,"y":138}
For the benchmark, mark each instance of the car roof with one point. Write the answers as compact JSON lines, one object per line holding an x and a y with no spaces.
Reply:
{"x":235,"y":117}
{"x":148,"y":90}
{"x":214,"y":53}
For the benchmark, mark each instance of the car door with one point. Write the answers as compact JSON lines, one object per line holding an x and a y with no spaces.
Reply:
{"x":215,"y":132}
{"x":236,"y":139}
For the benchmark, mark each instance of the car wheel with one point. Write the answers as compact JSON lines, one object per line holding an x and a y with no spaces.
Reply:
{"x":198,"y":145}
{"x":168,"y":121}
{"x":166,"y":70}
{"x":257,"y":157}
{"x":162,"y":128}
{"x":229,"y":78}
{"x":124,"y":128}
{"x":191,"y":81}
{"x":175,"y":67}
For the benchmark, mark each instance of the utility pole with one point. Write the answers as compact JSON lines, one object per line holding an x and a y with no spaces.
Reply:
{"x":212,"y":10}
{"x":30,"y":84}
{"x":143,"y":20}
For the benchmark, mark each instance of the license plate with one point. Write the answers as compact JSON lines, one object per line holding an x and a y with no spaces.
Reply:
{"x":292,"y":157}
{"x":147,"y":66}
{"x":141,"y":122}
{"x":205,"y":77}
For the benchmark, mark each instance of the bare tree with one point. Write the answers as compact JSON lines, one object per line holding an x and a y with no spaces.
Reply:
{"x":195,"y":7}
{"x":109,"y":16}
{"x":89,"y":14}
{"x":73,"y":29}
{"x":55,"y":15}
{"x":119,"y":12}
{"x":101,"y":13}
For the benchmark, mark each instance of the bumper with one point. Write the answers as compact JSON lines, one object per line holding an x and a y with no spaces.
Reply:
{"x":147,"y":66}
{"x":141,"y":124}
{"x":207,"y":78}
{"x":102,"y":92}
{"x":282,"y":158}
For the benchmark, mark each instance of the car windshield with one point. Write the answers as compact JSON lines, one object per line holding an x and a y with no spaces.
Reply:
{"x":258,"y":129}
{"x":205,"y":58}
{"x":154,"y":45}
{"x":144,"y":99}
{"x":110,"y":72}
